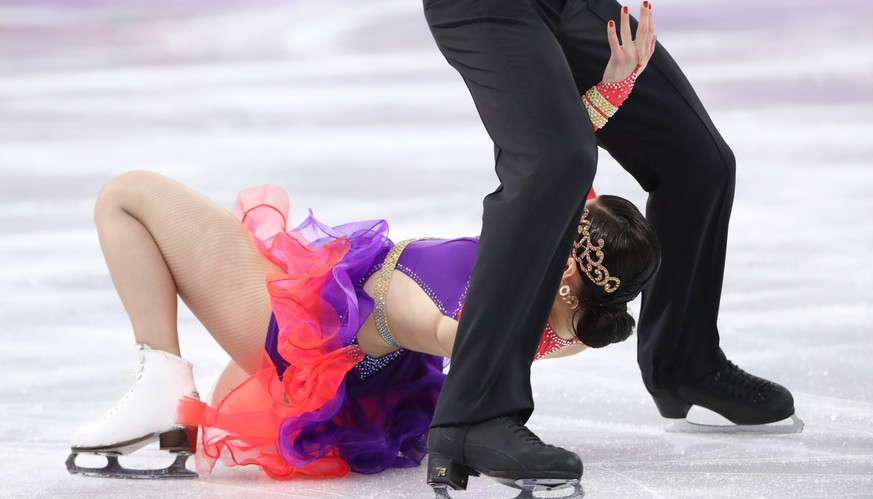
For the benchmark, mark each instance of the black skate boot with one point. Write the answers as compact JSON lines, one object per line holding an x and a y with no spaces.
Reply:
{"x":503,"y":449}
{"x":745,"y":400}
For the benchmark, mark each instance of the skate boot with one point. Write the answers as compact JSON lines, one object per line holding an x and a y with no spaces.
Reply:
{"x":145,"y":414}
{"x":749,"y":402}
{"x":503,"y":449}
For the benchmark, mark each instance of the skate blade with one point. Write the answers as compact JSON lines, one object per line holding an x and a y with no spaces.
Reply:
{"x":528,"y":487}
{"x":114,"y":469}
{"x":441,"y":491}
{"x":789,"y":425}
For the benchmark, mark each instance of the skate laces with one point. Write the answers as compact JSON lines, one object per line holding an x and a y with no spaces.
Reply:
{"x":136,"y":375}
{"x":522,"y":432}
{"x":739,"y":384}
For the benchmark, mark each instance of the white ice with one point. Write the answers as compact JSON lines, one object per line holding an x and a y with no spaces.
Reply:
{"x":349,"y":105}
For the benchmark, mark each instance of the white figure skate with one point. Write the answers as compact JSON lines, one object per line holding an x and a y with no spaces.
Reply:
{"x":145,"y":414}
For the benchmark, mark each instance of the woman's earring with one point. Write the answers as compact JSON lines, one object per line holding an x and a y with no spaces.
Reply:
{"x":569,"y":299}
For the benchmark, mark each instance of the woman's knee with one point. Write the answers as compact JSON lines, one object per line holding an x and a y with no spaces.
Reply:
{"x":126,"y":191}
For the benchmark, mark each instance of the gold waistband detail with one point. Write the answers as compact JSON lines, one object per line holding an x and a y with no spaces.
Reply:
{"x":381,"y":292}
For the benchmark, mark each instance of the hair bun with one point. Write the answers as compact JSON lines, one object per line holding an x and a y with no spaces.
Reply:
{"x":603,"y":325}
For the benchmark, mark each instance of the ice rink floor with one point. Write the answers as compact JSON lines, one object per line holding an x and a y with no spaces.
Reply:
{"x":350,"y":107}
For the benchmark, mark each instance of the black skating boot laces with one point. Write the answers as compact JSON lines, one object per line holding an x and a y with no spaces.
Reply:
{"x":739,"y":384}
{"x":523,"y":433}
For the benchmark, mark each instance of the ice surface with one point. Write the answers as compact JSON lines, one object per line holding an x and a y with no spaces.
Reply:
{"x":349,"y":105}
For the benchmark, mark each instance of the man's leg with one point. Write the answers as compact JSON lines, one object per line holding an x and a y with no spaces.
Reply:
{"x":545,"y":159}
{"x":663,"y":136}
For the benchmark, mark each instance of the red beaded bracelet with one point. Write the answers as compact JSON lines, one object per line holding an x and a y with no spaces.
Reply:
{"x":603,"y":100}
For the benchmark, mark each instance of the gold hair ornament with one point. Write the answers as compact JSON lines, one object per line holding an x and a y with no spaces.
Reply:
{"x":593,"y":267}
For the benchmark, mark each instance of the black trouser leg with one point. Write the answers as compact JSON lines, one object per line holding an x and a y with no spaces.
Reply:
{"x":508,"y":56}
{"x":663,"y":136}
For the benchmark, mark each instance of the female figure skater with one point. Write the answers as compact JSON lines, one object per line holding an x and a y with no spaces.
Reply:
{"x":338,"y":360}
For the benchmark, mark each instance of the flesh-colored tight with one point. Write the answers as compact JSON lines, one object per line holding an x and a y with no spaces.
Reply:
{"x":161,"y":240}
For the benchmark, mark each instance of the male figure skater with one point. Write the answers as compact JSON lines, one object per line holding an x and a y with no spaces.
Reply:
{"x":526,"y":62}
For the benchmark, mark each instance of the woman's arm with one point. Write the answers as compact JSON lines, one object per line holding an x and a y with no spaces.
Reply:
{"x":626,"y":62}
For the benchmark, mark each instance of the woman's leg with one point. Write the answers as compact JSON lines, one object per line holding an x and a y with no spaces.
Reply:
{"x":161,"y":239}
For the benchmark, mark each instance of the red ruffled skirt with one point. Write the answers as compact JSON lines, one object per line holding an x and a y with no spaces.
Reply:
{"x":306,"y":410}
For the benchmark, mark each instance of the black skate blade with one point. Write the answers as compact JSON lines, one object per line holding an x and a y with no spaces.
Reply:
{"x":115,"y":470}
{"x":789,"y":425}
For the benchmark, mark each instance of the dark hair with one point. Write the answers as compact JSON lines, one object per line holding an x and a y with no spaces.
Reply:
{"x":632,"y":254}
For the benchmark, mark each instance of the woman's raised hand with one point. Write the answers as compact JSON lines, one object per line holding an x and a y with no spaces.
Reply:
{"x":630,"y":53}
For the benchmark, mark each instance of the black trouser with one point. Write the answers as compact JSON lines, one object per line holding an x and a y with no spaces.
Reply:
{"x":526,"y":62}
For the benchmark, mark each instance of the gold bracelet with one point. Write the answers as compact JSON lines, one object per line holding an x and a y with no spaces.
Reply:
{"x":596,"y":118}
{"x":600,"y":102}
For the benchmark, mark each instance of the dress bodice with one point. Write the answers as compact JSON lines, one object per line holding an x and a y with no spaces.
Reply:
{"x":442,"y":269}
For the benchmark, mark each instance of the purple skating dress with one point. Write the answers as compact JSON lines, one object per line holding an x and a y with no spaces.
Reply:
{"x":389,"y":399}
{"x":319,"y":406}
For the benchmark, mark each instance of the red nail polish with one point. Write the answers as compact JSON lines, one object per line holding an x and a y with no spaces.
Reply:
{"x":650,"y":5}
{"x":646,"y":4}
{"x":625,"y":10}
{"x":611,"y":23}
